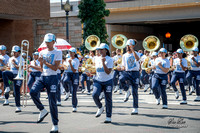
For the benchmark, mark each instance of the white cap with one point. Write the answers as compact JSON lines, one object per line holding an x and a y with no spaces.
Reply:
{"x":15,"y":48}
{"x":154,"y":54}
{"x":180,"y":51}
{"x":72,"y":50}
{"x":49,"y":37}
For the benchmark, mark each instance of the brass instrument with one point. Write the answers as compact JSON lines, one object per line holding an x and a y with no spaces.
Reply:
{"x":92,"y":42}
{"x":24,"y":43}
{"x":150,"y":43}
{"x":189,"y":42}
{"x":118,"y":64}
{"x":87,"y":66}
{"x":189,"y":67}
{"x":119,"y":41}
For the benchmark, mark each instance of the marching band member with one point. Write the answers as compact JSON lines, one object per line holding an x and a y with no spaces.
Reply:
{"x":194,"y":73}
{"x":14,"y":63}
{"x":86,"y":78}
{"x":50,"y":59}
{"x":103,"y":82}
{"x":159,"y":79}
{"x":130,"y":72}
{"x":116,"y":74}
{"x":152,"y":64}
{"x":179,"y":74}
{"x":71,"y":77}
{"x":34,"y":68}
{"x":144,"y":76}
{"x":4,"y":58}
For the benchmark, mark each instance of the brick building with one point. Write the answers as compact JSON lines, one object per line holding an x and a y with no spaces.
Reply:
{"x":17,"y":20}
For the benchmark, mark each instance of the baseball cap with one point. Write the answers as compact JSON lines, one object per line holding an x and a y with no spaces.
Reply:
{"x":72,"y":50}
{"x":87,"y":56}
{"x":15,"y":48}
{"x":154,"y":54}
{"x":36,"y":53}
{"x":102,"y":46}
{"x":196,"y":49}
{"x":163,"y":50}
{"x":130,"y":42}
{"x":180,"y":51}
{"x":49,"y":37}
{"x":2,"y":47}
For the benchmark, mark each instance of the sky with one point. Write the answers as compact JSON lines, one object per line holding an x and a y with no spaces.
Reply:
{"x":53,"y":1}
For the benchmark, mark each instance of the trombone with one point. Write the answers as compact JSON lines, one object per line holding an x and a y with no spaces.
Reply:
{"x":20,"y":76}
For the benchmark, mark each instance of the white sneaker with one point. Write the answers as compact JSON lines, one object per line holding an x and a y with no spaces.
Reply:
{"x":187,"y":87}
{"x":191,"y":90}
{"x":101,"y":96}
{"x":120,"y":91}
{"x":197,"y":99}
{"x":2,"y":97}
{"x":127,"y":94}
{"x":99,"y":111}
{"x":58,"y":103}
{"x":116,"y":89}
{"x":42,"y":115}
{"x":158,"y":101}
{"x":146,"y":87}
{"x":74,"y":110}
{"x":183,"y":102}
{"x":54,"y":129}
{"x":135,"y":111}
{"x":177,"y":94}
{"x":7,"y":90}
{"x":67,"y":96}
{"x":108,"y":120}
{"x":151,"y":91}
{"x":6,"y":102}
{"x":165,"y":107}
{"x":88,"y":93}
{"x":83,"y":91}
{"x":18,"y":109}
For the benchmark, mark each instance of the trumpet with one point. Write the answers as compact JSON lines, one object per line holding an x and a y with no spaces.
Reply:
{"x":24,"y":43}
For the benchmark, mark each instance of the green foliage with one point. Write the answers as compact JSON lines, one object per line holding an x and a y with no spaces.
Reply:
{"x":92,"y":13}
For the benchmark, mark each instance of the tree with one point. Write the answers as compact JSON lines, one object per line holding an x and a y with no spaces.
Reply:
{"x":92,"y":14}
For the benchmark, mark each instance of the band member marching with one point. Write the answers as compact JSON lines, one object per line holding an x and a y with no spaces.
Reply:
{"x":159,"y":79}
{"x":71,"y":77}
{"x":180,"y":65}
{"x":103,"y":82}
{"x":130,"y":73}
{"x":13,"y":64}
{"x":194,"y":73}
{"x":50,"y":59}
{"x":34,"y":69}
{"x":4,"y":58}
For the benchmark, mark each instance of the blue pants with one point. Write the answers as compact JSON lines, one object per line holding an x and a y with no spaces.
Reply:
{"x":58,"y":88}
{"x":144,"y":77}
{"x":67,"y":87}
{"x":50,"y":83}
{"x":73,"y":78}
{"x":116,"y":77}
{"x":196,"y":75}
{"x":159,"y":81}
{"x":98,"y":87}
{"x":84,"y":77}
{"x":32,"y":78}
{"x":180,"y":77}
{"x":8,"y":75}
{"x":133,"y":78}
{"x":150,"y":79}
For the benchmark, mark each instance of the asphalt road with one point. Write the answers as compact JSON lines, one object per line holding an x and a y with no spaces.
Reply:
{"x":151,"y":118}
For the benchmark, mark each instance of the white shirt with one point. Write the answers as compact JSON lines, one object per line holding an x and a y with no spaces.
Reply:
{"x":75,"y":64}
{"x":177,"y":65}
{"x":165,"y":63}
{"x":13,"y":69}
{"x":129,"y":62}
{"x":101,"y":75}
{"x":33,"y":64}
{"x":152,"y":62}
{"x":50,"y":57}
{"x":5,"y":59}
{"x":116,"y":57}
{"x":193,"y":66}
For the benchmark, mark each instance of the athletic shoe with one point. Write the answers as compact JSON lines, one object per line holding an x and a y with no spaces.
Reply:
{"x":99,"y":112}
{"x":135,"y":111}
{"x":74,"y":110}
{"x":18,"y":109}
{"x":176,"y":94}
{"x":67,"y":96}
{"x":108,"y":120}
{"x":197,"y":99}
{"x":54,"y":129}
{"x":158,"y":101}
{"x":42,"y":115}
{"x":183,"y":102}
{"x":6,"y":102}
{"x":165,"y":107}
{"x":127,"y":94}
